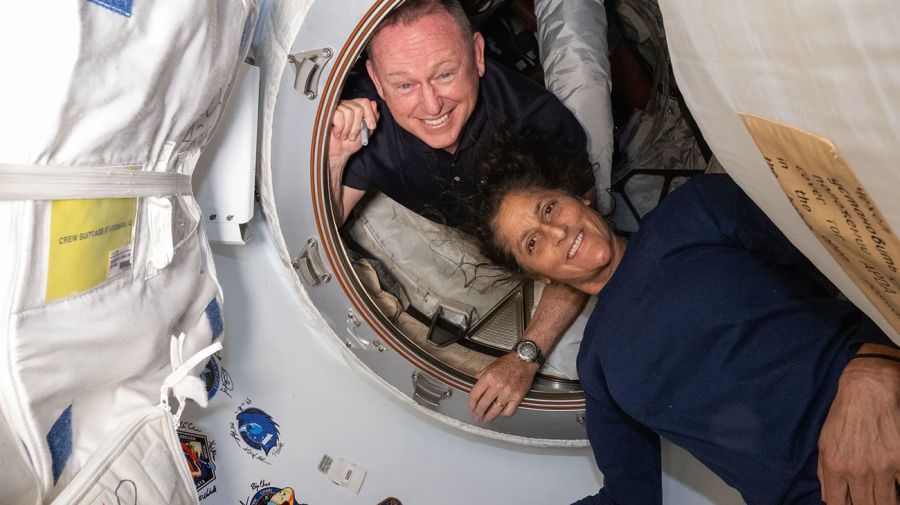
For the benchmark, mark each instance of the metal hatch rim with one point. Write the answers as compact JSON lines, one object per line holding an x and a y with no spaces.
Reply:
{"x":325,"y":225}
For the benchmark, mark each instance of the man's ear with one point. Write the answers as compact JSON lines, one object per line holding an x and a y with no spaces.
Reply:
{"x":478,"y":47}
{"x":370,"y":68}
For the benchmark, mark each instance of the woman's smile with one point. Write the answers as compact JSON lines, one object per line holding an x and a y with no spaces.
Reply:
{"x":558,"y":238}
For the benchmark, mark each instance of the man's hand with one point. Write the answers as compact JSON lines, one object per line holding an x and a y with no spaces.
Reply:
{"x":345,"y":126}
{"x":859,"y":446}
{"x":505,"y":382}
{"x":344,"y":142}
{"x":501,"y":387}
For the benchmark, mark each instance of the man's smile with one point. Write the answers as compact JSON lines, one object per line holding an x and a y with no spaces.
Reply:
{"x":438,"y":121}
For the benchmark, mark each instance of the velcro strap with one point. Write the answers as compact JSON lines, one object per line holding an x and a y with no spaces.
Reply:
{"x":179,"y":380}
{"x":60,"y":182}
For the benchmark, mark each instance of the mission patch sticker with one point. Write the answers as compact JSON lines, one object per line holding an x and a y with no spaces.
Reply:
{"x":200,"y":454}
{"x":264,"y":493}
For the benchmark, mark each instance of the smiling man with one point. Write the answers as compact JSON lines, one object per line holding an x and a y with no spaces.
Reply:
{"x":431,"y":101}
{"x":435,"y":100}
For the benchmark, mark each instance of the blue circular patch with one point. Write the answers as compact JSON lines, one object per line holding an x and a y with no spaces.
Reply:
{"x":262,"y":496}
{"x":211,"y":378}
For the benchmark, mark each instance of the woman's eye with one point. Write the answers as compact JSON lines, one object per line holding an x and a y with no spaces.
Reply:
{"x":529,"y":245}
{"x":549,"y":208}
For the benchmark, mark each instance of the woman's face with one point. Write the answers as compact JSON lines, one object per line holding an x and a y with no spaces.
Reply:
{"x":559,"y":238}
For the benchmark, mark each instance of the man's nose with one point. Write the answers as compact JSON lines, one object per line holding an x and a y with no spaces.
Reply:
{"x":430,"y":100}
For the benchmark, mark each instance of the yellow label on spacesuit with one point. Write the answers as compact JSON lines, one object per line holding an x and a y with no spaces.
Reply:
{"x":827,"y":195}
{"x":90,"y":242}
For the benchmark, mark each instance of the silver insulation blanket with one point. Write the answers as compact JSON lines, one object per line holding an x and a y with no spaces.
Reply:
{"x":574,"y":53}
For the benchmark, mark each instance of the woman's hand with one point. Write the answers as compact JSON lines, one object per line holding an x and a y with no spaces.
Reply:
{"x":859,"y":446}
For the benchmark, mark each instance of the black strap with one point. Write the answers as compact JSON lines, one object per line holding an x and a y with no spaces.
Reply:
{"x":877,"y":355}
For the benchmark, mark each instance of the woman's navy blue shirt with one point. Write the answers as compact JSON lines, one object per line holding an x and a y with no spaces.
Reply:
{"x":716,"y":333}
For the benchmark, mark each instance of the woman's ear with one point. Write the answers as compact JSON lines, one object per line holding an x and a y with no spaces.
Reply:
{"x":586,"y":201}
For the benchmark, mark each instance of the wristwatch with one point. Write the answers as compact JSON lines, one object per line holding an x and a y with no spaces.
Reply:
{"x":529,"y":352}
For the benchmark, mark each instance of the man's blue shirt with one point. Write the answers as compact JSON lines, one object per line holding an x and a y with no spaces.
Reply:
{"x":433,"y":182}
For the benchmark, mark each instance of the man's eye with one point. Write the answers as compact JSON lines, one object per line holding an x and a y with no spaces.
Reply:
{"x":404,"y":86}
{"x":445,"y":75}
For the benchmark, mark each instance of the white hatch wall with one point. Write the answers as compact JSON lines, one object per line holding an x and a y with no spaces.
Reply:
{"x":296,"y":114}
{"x":278,"y":357}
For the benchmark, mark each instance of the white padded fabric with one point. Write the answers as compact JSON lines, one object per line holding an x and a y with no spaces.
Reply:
{"x":827,"y":67}
{"x":142,"y":463}
{"x":110,"y":84}
{"x":434,"y":264}
{"x":17,"y":481}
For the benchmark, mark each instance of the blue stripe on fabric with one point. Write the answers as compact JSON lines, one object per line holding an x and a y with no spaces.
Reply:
{"x":60,"y":441}
{"x":214,"y":315}
{"x":122,"y":7}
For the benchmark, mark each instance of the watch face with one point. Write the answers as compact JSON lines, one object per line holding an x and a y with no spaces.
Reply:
{"x":527,"y":351}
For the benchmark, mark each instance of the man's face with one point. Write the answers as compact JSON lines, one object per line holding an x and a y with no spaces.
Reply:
{"x":427,"y":73}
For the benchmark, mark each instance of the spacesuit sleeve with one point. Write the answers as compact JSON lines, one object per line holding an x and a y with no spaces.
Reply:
{"x":627,"y":454}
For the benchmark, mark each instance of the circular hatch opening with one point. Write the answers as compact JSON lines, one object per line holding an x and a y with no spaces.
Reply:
{"x":409,"y":298}
{"x":435,"y":298}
